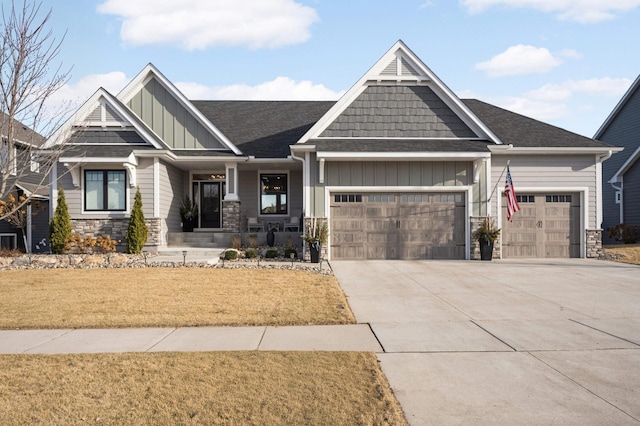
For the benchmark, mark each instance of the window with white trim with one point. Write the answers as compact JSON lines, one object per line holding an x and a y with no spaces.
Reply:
{"x":105,"y":190}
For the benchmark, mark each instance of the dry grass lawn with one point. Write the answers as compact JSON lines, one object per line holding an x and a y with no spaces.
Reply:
{"x":168,"y":297}
{"x":244,"y":388}
{"x":630,"y":252}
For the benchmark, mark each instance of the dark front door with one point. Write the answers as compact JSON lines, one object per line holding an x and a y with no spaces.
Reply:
{"x":210,"y":211}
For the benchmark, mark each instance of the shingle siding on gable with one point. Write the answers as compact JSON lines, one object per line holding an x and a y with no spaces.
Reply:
{"x":170,"y":120}
{"x":398,"y":111}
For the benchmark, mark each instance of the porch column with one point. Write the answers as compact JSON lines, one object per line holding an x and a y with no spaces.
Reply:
{"x":231,"y":193}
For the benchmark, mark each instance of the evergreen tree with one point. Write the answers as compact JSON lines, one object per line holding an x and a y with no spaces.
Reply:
{"x":60,"y":226}
{"x":137,"y":231}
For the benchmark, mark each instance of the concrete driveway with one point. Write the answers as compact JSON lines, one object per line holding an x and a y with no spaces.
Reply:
{"x":504,"y":342}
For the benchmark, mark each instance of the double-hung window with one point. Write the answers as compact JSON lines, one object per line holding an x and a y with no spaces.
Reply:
{"x":273,"y":193}
{"x":105,"y":190}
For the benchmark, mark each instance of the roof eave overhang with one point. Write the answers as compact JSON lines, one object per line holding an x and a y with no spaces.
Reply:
{"x":402,"y":156}
{"x":509,"y":149}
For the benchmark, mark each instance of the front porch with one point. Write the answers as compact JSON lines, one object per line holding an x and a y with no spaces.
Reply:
{"x":221,"y":239}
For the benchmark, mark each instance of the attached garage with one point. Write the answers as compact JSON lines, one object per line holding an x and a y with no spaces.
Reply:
{"x":397,"y":225}
{"x":547,"y":225}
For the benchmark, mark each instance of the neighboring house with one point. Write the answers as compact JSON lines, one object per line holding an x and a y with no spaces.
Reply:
{"x":25,"y":178}
{"x":400,"y":167}
{"x":621,"y":174}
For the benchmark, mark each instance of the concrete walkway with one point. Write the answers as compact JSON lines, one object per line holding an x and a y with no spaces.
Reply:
{"x":356,"y":337}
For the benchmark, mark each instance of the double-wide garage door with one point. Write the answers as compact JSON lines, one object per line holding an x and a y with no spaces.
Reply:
{"x":547,"y":225}
{"x":397,"y":226}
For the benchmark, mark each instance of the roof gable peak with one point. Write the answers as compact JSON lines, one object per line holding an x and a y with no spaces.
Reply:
{"x":399,"y":66}
{"x":151,"y":72}
{"x":102,"y":110}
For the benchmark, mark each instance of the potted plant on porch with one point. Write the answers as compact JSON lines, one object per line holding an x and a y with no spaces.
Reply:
{"x":486,"y":234}
{"x":189,"y":215}
{"x":315,"y":234}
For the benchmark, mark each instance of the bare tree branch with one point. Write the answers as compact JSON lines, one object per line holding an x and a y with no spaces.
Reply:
{"x":29,"y":75}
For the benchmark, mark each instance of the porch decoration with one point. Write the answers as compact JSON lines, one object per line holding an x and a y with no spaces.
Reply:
{"x":315,"y":235}
{"x":188,"y":214}
{"x":486,"y":235}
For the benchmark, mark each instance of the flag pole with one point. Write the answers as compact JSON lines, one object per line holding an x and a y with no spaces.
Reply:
{"x":498,"y":182}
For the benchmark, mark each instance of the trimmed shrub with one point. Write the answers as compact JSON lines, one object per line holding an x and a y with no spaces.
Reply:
{"x":230,"y":254}
{"x":628,"y":234}
{"x":137,"y":231}
{"x":271,"y":254}
{"x":60,"y":226}
{"x":251,"y":253}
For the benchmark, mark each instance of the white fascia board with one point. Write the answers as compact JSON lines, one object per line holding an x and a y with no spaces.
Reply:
{"x":373,"y":76}
{"x":509,"y":150}
{"x":617,"y":177}
{"x":138,"y":83}
{"x":84,"y":160}
{"x":77,"y":120}
{"x":401,"y":156}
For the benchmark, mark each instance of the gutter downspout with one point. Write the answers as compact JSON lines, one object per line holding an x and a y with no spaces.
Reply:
{"x":599,"y":201}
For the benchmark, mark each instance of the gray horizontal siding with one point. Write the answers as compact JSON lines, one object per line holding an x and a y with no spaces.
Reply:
{"x":569,"y":171}
{"x":144,"y":178}
{"x":632,"y":196}
{"x":172,"y":193}
{"x":623,"y":131}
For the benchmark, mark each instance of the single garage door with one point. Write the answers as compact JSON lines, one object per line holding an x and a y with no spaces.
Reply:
{"x":397,"y":226}
{"x":547,"y":225}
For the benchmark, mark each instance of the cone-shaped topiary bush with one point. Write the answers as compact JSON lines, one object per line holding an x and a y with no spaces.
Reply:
{"x":60,"y":226}
{"x":137,"y":231}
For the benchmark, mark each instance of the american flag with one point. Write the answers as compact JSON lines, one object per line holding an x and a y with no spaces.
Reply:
{"x":510,"y":193}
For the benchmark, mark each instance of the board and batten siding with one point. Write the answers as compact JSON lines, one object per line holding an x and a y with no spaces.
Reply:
{"x":171,"y":121}
{"x":172,"y":184}
{"x":395,"y":174}
{"x":568,"y":173}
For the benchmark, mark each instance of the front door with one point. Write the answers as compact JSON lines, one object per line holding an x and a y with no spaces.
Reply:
{"x":210,"y":204}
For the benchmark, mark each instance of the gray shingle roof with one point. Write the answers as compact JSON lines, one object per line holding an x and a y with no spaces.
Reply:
{"x":523,"y":131}
{"x":264,"y":129}
{"x":22,"y":132}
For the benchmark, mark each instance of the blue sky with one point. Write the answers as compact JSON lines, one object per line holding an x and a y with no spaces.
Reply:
{"x":566,"y":62}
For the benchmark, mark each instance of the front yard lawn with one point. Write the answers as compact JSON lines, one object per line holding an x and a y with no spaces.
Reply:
{"x":168,"y":297}
{"x":240,"y":388}
{"x":630,"y":253}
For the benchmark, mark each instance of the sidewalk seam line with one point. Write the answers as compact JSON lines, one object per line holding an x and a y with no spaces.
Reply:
{"x":173,"y":330}
{"x":376,"y":337}
{"x":71,"y":330}
{"x":584,"y":387}
{"x":605,"y":332}
{"x":264,"y":332}
{"x":493,"y":335}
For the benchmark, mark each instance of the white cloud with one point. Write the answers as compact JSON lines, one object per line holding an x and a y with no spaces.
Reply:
{"x":200,"y":24}
{"x":585,"y":11}
{"x":281,"y":88}
{"x":554,"y":101}
{"x":518,"y":60}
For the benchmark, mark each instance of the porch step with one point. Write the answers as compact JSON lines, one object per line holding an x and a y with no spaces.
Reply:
{"x":197,"y":239}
